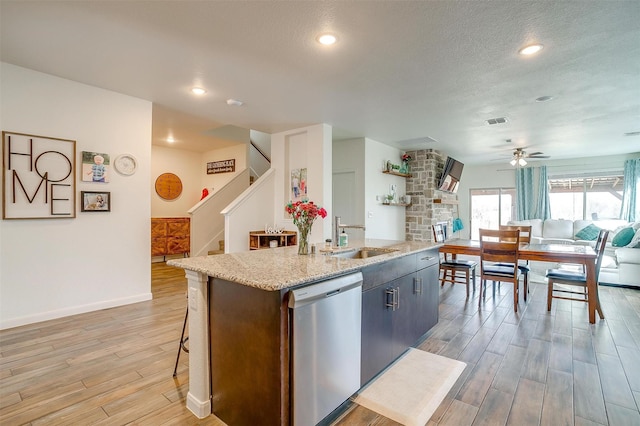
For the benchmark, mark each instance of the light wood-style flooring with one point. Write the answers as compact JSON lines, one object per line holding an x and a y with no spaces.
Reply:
{"x":114,"y":367}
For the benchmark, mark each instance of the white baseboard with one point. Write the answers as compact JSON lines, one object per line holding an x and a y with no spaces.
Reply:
{"x":201,"y":409}
{"x":72,"y":310}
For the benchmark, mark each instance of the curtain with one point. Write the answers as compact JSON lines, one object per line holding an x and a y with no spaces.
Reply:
{"x":630,"y":206}
{"x":524,"y":194}
{"x":543,"y":210}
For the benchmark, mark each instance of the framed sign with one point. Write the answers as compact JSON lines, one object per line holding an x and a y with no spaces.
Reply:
{"x":38,"y":175}
{"x":224,"y":166}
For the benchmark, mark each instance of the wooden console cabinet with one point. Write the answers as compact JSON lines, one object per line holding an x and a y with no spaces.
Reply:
{"x":170,"y":235}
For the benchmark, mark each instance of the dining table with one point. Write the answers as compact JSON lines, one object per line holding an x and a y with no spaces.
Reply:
{"x":559,"y":253}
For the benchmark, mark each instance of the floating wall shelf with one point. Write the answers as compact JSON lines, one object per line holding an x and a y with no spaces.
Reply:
{"x":397,"y":204}
{"x":391,"y":172}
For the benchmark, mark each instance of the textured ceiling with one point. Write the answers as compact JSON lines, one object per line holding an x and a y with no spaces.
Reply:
{"x":411,"y":74}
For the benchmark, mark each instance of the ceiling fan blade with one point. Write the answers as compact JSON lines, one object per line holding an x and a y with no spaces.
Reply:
{"x":536,"y":153}
{"x":539,"y":156}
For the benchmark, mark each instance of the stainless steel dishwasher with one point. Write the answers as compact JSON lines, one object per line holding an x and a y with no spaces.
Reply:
{"x":326,"y":319}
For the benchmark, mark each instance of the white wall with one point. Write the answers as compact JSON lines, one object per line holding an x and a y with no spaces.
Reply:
{"x":56,"y":267}
{"x":308,"y":147}
{"x":349,"y":157}
{"x":382,"y":222}
{"x":191,"y":168}
{"x":239,"y":152}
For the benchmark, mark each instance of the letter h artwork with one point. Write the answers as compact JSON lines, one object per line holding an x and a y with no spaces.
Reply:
{"x":38,"y":175}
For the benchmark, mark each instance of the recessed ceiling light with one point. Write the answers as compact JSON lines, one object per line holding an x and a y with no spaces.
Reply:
{"x":544,"y":98}
{"x":531,"y":49}
{"x":198,"y":91}
{"x":234,"y":102}
{"x":326,"y":39}
{"x":170,"y":139}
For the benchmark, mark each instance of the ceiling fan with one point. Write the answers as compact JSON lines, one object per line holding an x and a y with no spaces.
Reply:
{"x":520,"y":154}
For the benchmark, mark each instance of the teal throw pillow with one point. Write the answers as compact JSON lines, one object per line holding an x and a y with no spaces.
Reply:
{"x":588,"y":233}
{"x":623,"y":237}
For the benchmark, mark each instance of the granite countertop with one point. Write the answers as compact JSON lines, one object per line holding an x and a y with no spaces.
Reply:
{"x":280,"y":268}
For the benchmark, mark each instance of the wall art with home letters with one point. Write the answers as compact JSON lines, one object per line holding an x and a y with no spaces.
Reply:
{"x":38,"y":175}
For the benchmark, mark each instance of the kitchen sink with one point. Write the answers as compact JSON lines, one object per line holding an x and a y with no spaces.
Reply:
{"x":363,"y":252}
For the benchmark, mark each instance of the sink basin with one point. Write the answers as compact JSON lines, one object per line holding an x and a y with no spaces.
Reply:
{"x":363,"y":252}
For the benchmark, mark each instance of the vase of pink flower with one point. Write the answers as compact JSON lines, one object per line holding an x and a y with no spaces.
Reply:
{"x":304,"y":213}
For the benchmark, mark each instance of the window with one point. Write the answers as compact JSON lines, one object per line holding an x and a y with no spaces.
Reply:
{"x":491,"y":208}
{"x":592,"y":197}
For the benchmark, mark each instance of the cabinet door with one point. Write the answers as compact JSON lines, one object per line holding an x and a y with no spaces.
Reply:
{"x":405,"y":313}
{"x":427,"y":278}
{"x":377,"y":314}
{"x":158,"y":246}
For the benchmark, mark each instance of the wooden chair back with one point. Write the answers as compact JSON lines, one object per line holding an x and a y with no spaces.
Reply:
{"x":438,"y":232}
{"x":525,"y":231}
{"x":499,"y":245}
{"x":603,"y":235}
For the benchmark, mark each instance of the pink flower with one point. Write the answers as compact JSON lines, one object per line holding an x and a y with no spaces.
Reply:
{"x":304,"y":213}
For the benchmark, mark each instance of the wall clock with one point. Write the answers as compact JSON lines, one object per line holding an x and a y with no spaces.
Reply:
{"x":168,"y":186}
{"x":125,"y":164}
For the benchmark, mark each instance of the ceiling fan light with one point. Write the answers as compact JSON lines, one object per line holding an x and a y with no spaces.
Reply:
{"x":513,"y":162}
{"x":531,"y":49}
{"x":521,"y":162}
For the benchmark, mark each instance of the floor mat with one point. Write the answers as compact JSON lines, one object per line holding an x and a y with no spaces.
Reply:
{"x":412,"y":388}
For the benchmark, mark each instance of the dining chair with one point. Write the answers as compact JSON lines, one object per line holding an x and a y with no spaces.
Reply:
{"x":559,"y":279}
{"x":525,"y":238}
{"x":454,"y":271}
{"x":499,"y":259}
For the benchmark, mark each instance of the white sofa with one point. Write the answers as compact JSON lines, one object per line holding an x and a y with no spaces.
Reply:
{"x":620,"y":265}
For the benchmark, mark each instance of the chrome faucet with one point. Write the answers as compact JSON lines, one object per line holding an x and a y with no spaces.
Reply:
{"x":339,"y":226}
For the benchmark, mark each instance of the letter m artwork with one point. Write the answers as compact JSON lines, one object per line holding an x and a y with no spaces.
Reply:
{"x":38,"y":177}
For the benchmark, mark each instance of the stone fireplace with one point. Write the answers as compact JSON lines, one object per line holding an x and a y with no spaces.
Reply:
{"x":428,"y":204}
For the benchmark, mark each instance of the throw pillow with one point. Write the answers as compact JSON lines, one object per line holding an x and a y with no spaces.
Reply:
{"x":588,"y":233}
{"x":623,"y":237}
{"x":635,"y":242}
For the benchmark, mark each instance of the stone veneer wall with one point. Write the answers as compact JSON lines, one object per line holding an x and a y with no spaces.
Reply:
{"x":426,"y":169}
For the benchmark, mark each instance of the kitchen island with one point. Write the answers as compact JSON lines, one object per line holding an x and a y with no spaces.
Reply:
{"x":239,"y":321}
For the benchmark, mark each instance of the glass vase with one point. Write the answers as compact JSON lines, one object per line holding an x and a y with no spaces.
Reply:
{"x":404,"y":169}
{"x":303,"y":241}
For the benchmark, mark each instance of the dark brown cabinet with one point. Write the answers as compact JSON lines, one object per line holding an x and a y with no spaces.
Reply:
{"x":397,"y":313}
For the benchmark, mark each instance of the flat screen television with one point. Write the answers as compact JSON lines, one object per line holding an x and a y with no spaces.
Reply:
{"x":451,"y":174}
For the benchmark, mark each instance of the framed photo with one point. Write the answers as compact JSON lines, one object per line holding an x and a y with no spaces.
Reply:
{"x":94,"y":201}
{"x":298,"y":184}
{"x":95,"y":167}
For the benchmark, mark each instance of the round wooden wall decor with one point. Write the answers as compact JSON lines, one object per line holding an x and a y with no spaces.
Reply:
{"x":168,"y":186}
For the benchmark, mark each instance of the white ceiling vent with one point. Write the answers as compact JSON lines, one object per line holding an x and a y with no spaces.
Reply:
{"x":499,"y":120}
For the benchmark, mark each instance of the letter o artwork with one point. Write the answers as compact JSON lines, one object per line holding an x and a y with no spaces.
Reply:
{"x":57,"y":167}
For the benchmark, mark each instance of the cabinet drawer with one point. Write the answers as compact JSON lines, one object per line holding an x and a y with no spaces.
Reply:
{"x":178,"y":228}
{"x":426,"y":258}
{"x":375,"y":275}
{"x":158,"y":228}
